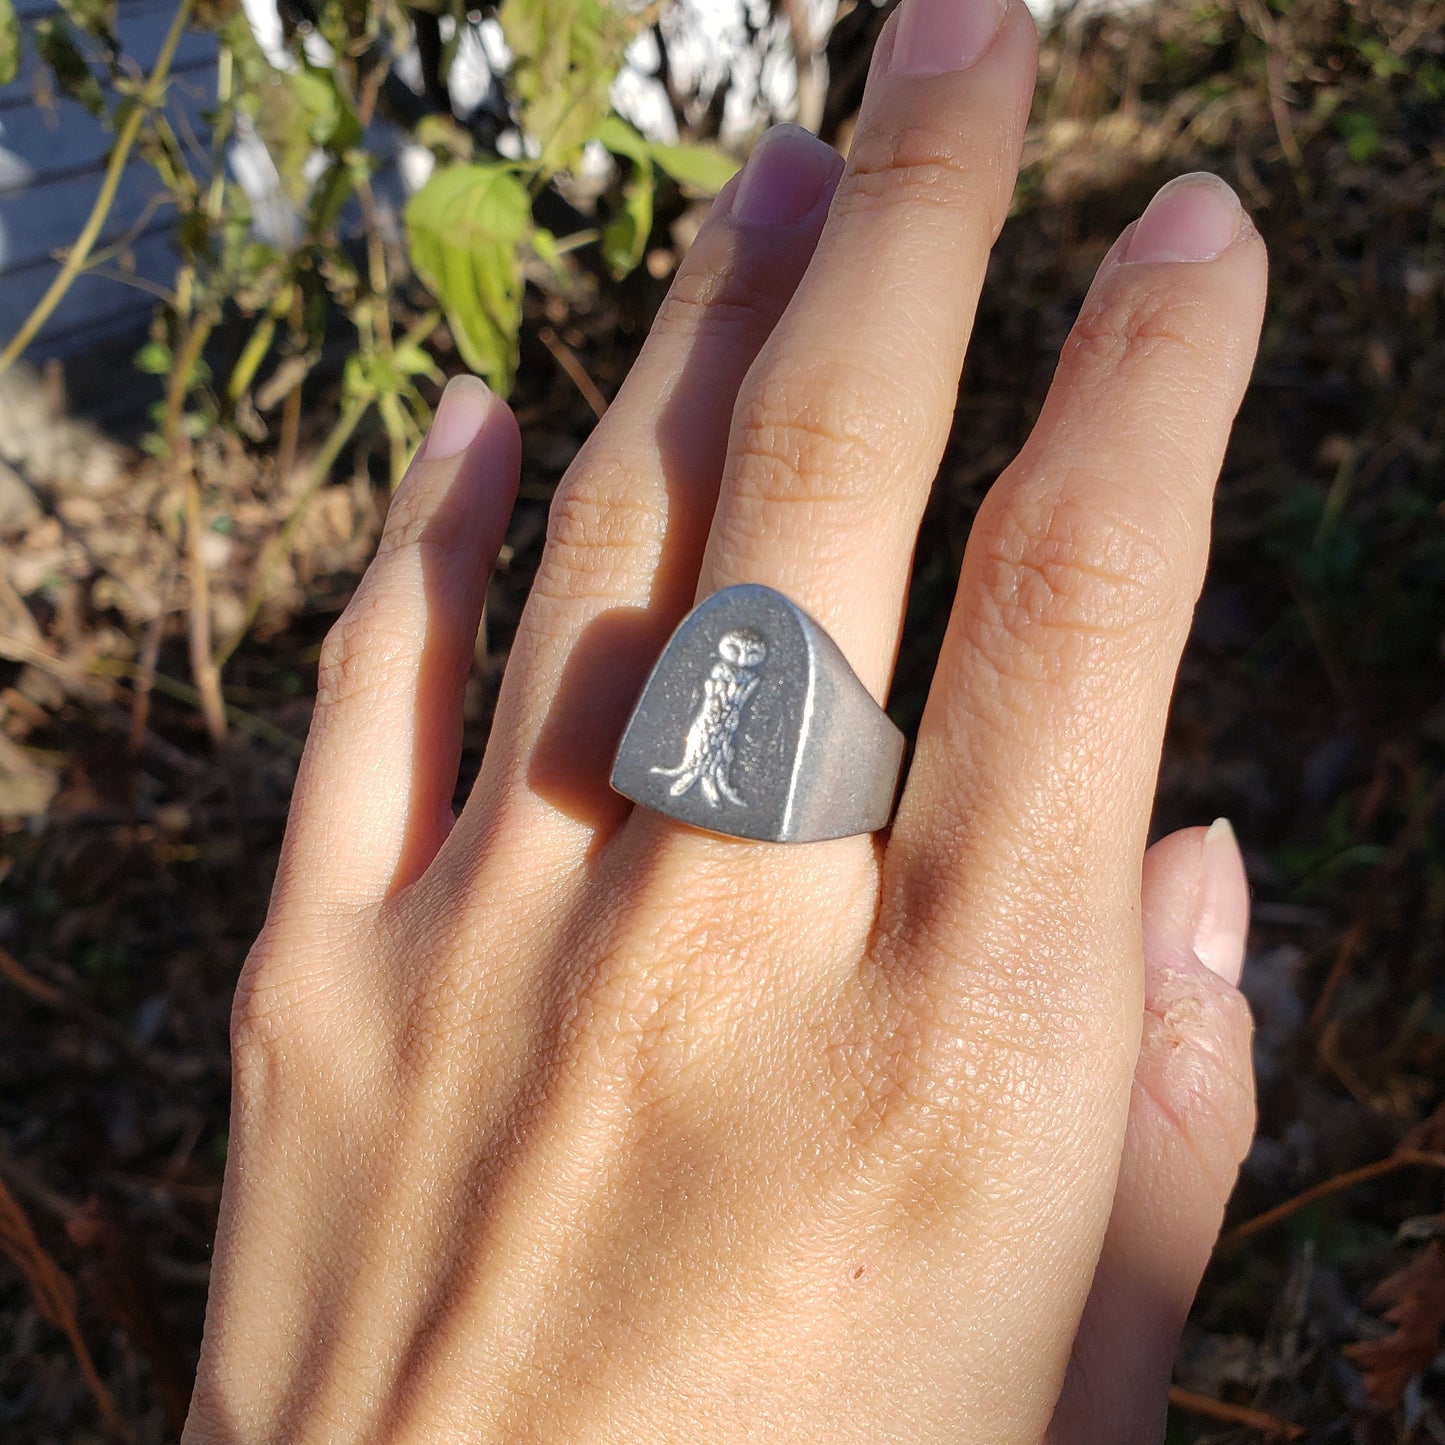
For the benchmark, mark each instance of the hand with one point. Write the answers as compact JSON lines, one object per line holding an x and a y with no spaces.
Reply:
{"x":565,"y":1122}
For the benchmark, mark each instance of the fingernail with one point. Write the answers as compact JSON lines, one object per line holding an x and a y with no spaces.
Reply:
{"x":784,"y":177}
{"x":1193,"y":218}
{"x":938,"y":35}
{"x":1221,"y":903}
{"x":459,"y":417}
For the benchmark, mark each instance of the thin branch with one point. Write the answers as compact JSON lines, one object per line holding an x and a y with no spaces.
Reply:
{"x":568,"y":360}
{"x":321,"y":464}
{"x":54,"y":1296}
{"x":136,"y":231}
{"x":280,"y":541}
{"x":1400,"y":1159}
{"x":136,"y":283}
{"x":809,"y":65}
{"x":246,"y":722}
{"x":203,"y":666}
{"x":1269,"y":1426}
{"x":119,"y":157}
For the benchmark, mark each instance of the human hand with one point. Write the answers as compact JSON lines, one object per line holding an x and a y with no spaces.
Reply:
{"x":564,"y":1121}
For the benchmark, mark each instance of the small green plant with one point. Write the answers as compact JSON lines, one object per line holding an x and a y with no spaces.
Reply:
{"x":470,"y":230}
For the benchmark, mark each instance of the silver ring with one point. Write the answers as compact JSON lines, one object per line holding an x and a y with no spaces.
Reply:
{"x":752,"y":724}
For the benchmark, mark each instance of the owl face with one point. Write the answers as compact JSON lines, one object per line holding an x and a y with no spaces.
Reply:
{"x":742,"y":649}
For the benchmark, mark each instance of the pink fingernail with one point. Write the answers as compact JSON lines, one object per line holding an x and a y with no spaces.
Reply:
{"x":1193,"y":218}
{"x":784,"y":177}
{"x":459,"y":417}
{"x":1221,"y":903}
{"x":935,"y":36}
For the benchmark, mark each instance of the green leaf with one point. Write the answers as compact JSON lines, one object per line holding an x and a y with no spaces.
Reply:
{"x":466,"y":227}
{"x":95,"y":17}
{"x":1429,"y":80}
{"x":701,"y":168}
{"x":566,"y":55}
{"x":625,"y":237}
{"x":155,"y":359}
{"x":441,"y":135}
{"x":1360,"y":134}
{"x":337,"y":185}
{"x":56,"y":43}
{"x":1383,"y":61}
{"x":9,"y":42}
{"x":266,"y":96}
{"x":549,"y":251}
{"x":414,"y":361}
{"x":623,"y":139}
{"x":698,"y":167}
{"x":330,"y":120}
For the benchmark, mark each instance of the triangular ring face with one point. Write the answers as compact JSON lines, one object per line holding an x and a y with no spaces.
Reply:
{"x":718,"y":734}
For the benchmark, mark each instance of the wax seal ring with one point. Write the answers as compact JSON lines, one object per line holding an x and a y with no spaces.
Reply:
{"x":753,"y":724}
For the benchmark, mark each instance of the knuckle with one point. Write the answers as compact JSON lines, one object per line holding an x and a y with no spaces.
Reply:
{"x":409,"y":523}
{"x":1125,"y":331}
{"x":1007,"y":1059}
{"x":1196,"y":1070}
{"x":598,"y":531}
{"x":658,"y":1001}
{"x":294,"y":1016}
{"x":728,"y":299}
{"x":366,"y":646}
{"x":264,"y":1018}
{"x":642,"y":1021}
{"x":918,"y":165}
{"x":1057,"y":574}
{"x":816,"y":436}
{"x":1007,"y":1055}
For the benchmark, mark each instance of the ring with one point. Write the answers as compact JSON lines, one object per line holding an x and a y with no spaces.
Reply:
{"x":752,"y":724}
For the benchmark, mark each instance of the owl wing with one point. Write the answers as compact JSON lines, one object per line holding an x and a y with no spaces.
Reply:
{"x":700,"y":748}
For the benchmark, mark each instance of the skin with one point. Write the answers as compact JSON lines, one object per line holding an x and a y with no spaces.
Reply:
{"x":560,"y":1121}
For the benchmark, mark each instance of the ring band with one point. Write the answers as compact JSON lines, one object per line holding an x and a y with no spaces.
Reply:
{"x":753,"y":724}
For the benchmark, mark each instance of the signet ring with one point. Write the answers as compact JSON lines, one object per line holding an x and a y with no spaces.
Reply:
{"x":753,"y":724}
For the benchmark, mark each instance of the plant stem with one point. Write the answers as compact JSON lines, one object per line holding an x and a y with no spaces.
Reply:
{"x":119,"y":156}
{"x":276,"y":548}
{"x":203,"y":667}
{"x":356,"y":407}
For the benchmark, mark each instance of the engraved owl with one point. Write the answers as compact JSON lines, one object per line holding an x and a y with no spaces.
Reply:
{"x":708,"y":751}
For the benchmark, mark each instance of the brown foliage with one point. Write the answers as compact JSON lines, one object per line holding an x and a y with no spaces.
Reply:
{"x":54,"y":1296}
{"x":1413,"y":1301}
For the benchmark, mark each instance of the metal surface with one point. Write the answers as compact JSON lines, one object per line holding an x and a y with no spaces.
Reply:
{"x":753,"y":724}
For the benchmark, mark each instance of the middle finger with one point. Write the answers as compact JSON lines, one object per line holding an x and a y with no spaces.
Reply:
{"x":842,"y":419}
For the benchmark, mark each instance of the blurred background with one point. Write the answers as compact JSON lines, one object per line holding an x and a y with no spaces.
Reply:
{"x":240,"y":249}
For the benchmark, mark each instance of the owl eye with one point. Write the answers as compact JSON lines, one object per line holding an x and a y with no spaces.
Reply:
{"x":741,"y":650}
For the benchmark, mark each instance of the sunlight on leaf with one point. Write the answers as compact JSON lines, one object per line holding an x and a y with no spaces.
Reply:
{"x":9,"y":42}
{"x":567,"y":53}
{"x":466,"y":227}
{"x":702,"y":168}
{"x":625,"y":238}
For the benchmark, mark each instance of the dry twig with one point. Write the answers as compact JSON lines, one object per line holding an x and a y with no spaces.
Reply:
{"x":1400,"y":1159}
{"x":54,"y":1297}
{"x":566,"y":358}
{"x":1270,"y":1426}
